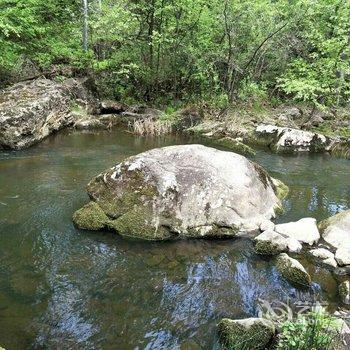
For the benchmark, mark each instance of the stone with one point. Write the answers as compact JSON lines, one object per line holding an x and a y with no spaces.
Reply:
{"x":293,"y":245}
{"x":342,"y":256}
{"x":293,"y":113}
{"x":286,"y":140}
{"x":336,"y":230}
{"x":250,"y":333}
{"x":32,"y":110}
{"x":90,"y":217}
{"x":293,"y":271}
{"x":235,"y":146}
{"x":186,"y":191}
{"x":305,"y":230}
{"x":112,"y":107}
{"x":344,"y":292}
{"x":270,"y":243}
{"x":267,"y":225}
{"x":324,"y":256}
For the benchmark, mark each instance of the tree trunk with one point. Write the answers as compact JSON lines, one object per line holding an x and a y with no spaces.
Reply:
{"x":85,"y":25}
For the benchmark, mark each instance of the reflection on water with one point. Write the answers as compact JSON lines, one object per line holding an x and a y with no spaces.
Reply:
{"x":63,"y":288}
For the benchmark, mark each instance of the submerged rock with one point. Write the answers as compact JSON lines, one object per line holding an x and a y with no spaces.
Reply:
{"x":249,"y":333}
{"x":305,"y":230}
{"x":293,"y":271}
{"x":184,"y":191}
{"x":283,"y":139}
{"x":344,"y":292}
{"x":32,"y":110}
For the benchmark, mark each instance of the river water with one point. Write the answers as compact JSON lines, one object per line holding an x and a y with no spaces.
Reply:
{"x":61,"y":288}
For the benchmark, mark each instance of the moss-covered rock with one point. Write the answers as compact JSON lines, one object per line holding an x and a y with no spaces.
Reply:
{"x":270,"y":243}
{"x":293,"y":271}
{"x":250,"y":333}
{"x":138,"y":223}
{"x":235,"y":146}
{"x":181,"y":191}
{"x":90,"y":217}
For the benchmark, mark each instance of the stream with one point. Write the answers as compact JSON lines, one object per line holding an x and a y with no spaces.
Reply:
{"x":61,"y":288}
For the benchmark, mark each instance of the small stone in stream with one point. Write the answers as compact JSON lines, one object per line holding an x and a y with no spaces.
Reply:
{"x":249,"y":333}
{"x":305,"y":230}
{"x":324,"y":256}
{"x":270,"y":243}
{"x":267,"y":225}
{"x":342,"y":256}
{"x":344,"y":292}
{"x":293,"y":271}
{"x":293,"y":245}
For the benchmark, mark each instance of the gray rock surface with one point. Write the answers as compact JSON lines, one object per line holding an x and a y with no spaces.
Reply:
{"x":31,"y":110}
{"x":283,"y":139}
{"x":185,"y":191}
{"x":324,"y":256}
{"x":304,"y":230}
{"x":336,"y":230}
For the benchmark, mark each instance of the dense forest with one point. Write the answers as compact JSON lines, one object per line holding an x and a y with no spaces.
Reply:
{"x":157,"y":51}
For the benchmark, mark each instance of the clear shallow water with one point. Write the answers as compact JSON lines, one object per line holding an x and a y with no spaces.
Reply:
{"x":61,"y":288}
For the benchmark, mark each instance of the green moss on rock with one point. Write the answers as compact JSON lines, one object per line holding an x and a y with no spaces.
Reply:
{"x":251,"y":333}
{"x":235,"y":145}
{"x":267,"y":248}
{"x":137,"y":223}
{"x":133,"y":191}
{"x":90,"y":217}
{"x":293,"y":271}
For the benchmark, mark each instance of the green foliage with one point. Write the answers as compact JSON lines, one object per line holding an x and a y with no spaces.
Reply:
{"x":321,"y":71}
{"x":221,"y":51}
{"x":315,"y":331}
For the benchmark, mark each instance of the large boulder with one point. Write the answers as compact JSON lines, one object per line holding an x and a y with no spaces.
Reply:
{"x":286,"y":140}
{"x":293,"y":271}
{"x":249,"y":333}
{"x":184,"y":191}
{"x":336,"y":232}
{"x":31,"y":110}
{"x":304,"y":230}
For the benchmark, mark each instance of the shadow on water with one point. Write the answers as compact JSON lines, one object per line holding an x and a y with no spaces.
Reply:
{"x":63,"y":288}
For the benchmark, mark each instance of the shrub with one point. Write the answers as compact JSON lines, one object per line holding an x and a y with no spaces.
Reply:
{"x":315,"y":331}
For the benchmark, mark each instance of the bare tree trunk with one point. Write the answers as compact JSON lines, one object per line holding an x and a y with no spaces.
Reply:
{"x":85,"y":25}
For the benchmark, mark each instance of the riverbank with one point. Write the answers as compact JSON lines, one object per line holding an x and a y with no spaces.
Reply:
{"x":32,"y":110}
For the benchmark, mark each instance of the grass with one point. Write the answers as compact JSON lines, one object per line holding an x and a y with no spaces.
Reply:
{"x":151,"y":127}
{"x":314,"y":331}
